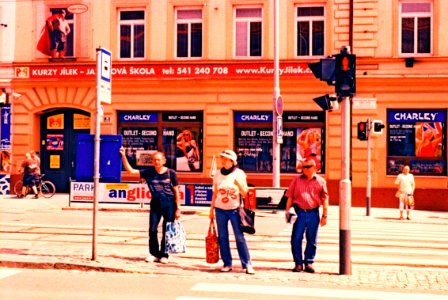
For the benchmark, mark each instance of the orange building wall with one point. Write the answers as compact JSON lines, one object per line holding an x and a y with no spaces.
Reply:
{"x":381,"y":74}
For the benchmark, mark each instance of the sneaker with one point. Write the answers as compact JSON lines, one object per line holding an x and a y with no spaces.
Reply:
{"x":408,"y":218}
{"x":226,"y":269}
{"x":20,"y":196}
{"x":150,"y":258}
{"x":250,"y":270}
{"x":309,"y":269}
{"x":164,"y":260}
{"x":36,"y":196}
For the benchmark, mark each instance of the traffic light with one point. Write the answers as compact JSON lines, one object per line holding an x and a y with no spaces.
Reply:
{"x":377,"y":126}
{"x":324,"y":70}
{"x":327,"y":102}
{"x":362,"y":131}
{"x":345,"y":73}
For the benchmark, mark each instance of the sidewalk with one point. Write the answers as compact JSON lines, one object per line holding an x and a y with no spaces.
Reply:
{"x":121,"y":249}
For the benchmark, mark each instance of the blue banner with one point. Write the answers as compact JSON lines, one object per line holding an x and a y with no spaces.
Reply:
{"x":137,"y":117}
{"x":412,"y":116}
{"x":253,"y":117}
{"x":5,"y":132}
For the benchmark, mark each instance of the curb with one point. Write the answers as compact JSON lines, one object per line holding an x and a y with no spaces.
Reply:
{"x":64,"y":266}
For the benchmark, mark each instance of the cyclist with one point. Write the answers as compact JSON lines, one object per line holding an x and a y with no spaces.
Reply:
{"x":30,"y":176}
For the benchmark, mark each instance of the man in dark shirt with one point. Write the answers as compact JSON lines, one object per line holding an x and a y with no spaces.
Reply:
{"x":163,"y":185}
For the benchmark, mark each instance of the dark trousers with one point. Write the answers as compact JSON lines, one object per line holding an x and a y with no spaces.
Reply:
{"x":167,"y":210}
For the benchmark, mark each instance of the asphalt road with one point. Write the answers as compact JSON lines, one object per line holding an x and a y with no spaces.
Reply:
{"x":68,"y":285}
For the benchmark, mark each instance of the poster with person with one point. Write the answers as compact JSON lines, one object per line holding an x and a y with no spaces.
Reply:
{"x":309,"y":145}
{"x":417,"y":138}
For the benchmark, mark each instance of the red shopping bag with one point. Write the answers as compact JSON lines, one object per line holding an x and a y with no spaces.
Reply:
{"x":211,"y":245}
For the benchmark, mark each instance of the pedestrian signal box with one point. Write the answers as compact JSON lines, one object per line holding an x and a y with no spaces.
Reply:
{"x":362,"y":131}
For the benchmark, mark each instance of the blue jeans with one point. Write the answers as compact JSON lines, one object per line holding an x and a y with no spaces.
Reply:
{"x":159,"y":209}
{"x":307,"y":223}
{"x":222,"y":220}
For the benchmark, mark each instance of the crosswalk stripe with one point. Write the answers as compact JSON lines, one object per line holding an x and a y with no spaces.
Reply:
{"x":205,"y":298}
{"x":4,"y":273}
{"x":311,"y":292}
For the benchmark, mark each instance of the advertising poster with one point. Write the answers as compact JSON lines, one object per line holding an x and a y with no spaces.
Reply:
{"x":183,"y":142}
{"x":5,"y":146}
{"x":254,"y":149}
{"x":188,"y":157}
{"x":309,"y":145}
{"x":417,"y":138}
{"x":55,"y":142}
{"x":139,"y":143}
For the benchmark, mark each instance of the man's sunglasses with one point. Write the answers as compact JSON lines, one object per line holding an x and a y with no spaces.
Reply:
{"x":307,"y":167}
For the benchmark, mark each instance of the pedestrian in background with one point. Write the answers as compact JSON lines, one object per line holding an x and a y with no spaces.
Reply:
{"x":29,"y":168}
{"x":306,"y":193}
{"x":228,"y":184}
{"x":36,"y":159}
{"x":163,"y":185}
{"x":406,"y":187}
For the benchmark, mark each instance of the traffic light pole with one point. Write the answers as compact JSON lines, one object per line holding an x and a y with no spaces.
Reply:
{"x":345,"y":191}
{"x":275,"y":125}
{"x":369,"y":178}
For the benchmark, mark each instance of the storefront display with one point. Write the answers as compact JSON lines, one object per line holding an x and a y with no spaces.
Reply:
{"x":303,"y":137}
{"x":417,"y":138}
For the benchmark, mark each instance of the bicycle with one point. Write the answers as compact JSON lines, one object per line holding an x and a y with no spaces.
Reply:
{"x":46,"y":188}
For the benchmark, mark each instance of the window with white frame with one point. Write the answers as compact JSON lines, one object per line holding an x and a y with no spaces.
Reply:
{"x":310,"y":31}
{"x":415,"y":27}
{"x":248,"y":32}
{"x":132,"y":33}
{"x":188,"y":33}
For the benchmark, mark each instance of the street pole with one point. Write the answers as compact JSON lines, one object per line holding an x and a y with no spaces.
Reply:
{"x":345,"y":190}
{"x":369,"y":178}
{"x":276,"y":139}
{"x":96,"y":157}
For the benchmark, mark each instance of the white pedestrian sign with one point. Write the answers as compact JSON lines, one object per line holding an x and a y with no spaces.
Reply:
{"x":105,"y":76}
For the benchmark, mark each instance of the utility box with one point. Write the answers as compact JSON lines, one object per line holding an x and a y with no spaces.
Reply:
{"x":110,"y":158}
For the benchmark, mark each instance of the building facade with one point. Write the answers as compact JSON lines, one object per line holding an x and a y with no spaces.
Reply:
{"x":192,"y":78}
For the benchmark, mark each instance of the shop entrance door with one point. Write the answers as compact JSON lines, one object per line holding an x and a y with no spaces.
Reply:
{"x":59,"y":129}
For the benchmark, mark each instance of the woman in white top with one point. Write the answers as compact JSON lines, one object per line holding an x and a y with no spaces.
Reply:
{"x":406,"y":186}
{"x":228,"y":184}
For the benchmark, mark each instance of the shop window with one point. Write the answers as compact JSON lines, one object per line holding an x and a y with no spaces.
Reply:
{"x":310,"y":31}
{"x":248,"y":30}
{"x":417,"y":138}
{"x":303,"y":137}
{"x":178,"y":134}
{"x":415,"y":27}
{"x":188,"y":33}
{"x":132,"y":34}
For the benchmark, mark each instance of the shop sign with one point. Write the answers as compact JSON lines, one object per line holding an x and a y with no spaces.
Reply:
{"x":182,"y":117}
{"x":81,"y":121}
{"x":253,"y":117}
{"x":134,"y":117}
{"x":164,"y":71}
{"x":126,"y":193}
